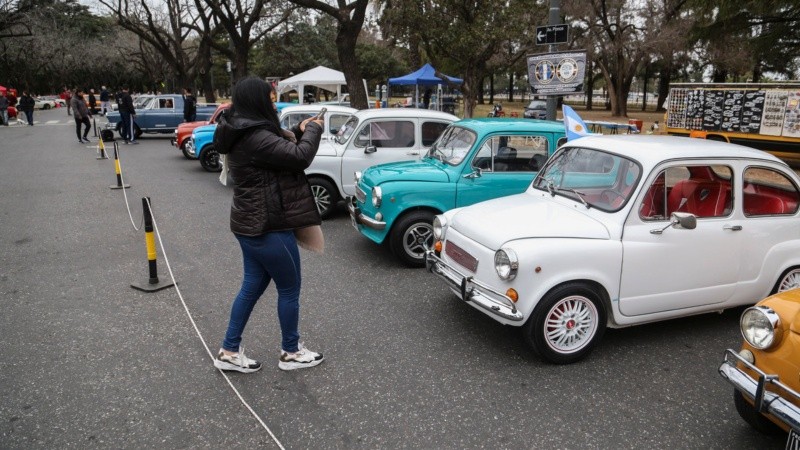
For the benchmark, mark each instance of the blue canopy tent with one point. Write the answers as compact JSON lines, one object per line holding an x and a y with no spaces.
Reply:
{"x":425,"y":76}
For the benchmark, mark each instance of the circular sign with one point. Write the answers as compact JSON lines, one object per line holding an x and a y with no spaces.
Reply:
{"x":567,"y":70}
{"x":545,"y":71}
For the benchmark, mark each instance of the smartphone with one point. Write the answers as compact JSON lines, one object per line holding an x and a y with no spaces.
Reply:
{"x":321,"y":114}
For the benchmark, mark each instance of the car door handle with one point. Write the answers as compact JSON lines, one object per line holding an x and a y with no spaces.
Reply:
{"x":732,"y":227}
{"x":413,"y":152}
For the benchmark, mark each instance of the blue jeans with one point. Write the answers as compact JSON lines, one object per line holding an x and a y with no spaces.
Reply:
{"x":29,"y":116}
{"x":271,"y":256}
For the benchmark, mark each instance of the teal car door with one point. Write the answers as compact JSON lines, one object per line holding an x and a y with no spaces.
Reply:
{"x":502,"y":164}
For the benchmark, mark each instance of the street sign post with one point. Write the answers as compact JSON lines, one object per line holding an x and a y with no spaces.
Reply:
{"x":552,"y":34}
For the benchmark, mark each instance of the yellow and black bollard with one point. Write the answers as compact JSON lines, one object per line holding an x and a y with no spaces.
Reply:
{"x":119,"y":172}
{"x":153,"y":283}
{"x":101,"y":150}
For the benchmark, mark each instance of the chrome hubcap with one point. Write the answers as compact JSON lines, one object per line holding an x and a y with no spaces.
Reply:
{"x":570,"y":324}
{"x":322,"y":197}
{"x":417,"y":239}
{"x":790,"y":281}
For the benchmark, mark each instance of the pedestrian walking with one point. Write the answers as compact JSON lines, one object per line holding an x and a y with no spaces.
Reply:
{"x":128,"y":116}
{"x":82,"y":114}
{"x":105,"y":101}
{"x":26,"y":105}
{"x":189,"y":105}
{"x":92,"y":102}
{"x":4,"y":109}
{"x":272,"y":208}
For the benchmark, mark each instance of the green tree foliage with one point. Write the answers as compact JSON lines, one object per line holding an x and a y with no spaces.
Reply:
{"x":743,"y":39}
{"x":463,"y":36}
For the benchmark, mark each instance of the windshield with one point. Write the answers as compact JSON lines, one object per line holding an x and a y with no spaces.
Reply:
{"x":142,"y":102}
{"x":595,"y":178}
{"x":453,"y":145}
{"x":537,"y":104}
{"x":344,"y":133}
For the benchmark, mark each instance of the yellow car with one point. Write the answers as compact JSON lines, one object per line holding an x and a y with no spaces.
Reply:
{"x":766,"y":371}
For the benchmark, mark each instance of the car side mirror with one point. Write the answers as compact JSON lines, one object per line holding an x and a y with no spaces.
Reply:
{"x":477,"y":172}
{"x":679,"y":220}
{"x":370,"y":149}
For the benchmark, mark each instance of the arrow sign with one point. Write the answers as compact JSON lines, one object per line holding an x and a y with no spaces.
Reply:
{"x":552,"y":34}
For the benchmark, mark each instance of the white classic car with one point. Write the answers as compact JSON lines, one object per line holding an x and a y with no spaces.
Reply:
{"x":368,"y":138}
{"x":622,"y":230}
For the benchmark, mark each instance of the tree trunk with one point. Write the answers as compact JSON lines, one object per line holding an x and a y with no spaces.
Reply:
{"x":720,"y":75}
{"x":589,"y":84}
{"x":663,"y":86}
{"x":510,"y":87}
{"x":757,"y":72}
{"x":346,"y":48}
{"x":491,"y":89}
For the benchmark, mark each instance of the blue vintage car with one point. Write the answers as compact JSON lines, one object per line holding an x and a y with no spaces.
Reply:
{"x":201,"y":144}
{"x":473,"y":160}
{"x":158,"y":114}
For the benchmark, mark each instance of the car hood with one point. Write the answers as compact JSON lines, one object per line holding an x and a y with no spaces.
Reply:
{"x":422,"y":170}
{"x":494,"y":222}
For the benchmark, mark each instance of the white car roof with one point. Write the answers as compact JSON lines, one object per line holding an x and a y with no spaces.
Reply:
{"x":651,"y":150}
{"x":316,"y":107}
{"x":405,"y":112}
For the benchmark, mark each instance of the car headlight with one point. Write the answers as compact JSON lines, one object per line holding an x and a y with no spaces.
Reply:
{"x":377,"y":196}
{"x":439,"y":227}
{"x":760,"y":326}
{"x":357,"y":176}
{"x":506,"y":263}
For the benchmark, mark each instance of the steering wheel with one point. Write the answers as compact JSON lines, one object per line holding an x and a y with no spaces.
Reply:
{"x":612,"y":197}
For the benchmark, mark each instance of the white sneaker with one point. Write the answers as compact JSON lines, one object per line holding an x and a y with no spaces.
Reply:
{"x":238,"y":362}
{"x":300,"y":359}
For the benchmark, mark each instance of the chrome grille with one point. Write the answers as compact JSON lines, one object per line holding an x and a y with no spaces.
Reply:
{"x":460,"y":256}
{"x":361,"y":195}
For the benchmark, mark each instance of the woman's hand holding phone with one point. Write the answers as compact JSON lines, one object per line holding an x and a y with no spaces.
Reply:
{"x":319,"y":119}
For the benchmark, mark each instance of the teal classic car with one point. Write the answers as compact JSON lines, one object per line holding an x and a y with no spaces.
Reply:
{"x":472,"y":161}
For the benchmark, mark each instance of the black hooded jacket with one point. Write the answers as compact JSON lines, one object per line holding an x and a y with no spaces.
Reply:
{"x":271,"y":192}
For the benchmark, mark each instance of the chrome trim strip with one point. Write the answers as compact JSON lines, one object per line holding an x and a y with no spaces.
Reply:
{"x":471,"y":290}
{"x":361,"y":219}
{"x":765,"y":401}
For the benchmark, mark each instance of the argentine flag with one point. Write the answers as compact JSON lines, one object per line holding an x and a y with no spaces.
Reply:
{"x":575,"y":126}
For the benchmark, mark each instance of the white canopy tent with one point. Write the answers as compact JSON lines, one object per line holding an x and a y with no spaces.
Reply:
{"x":319,"y":77}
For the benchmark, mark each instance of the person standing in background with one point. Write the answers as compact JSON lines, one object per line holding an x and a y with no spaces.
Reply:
{"x":81,"y":114}
{"x":189,"y":105}
{"x":105,"y":101}
{"x":4,"y":109}
{"x":128,"y":116}
{"x":92,"y":102}
{"x":67,"y":97}
{"x":26,"y":105}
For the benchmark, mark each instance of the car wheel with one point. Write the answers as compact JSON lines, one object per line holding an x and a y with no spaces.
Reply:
{"x":46,"y":106}
{"x":185,"y":149}
{"x":137,"y":131}
{"x":754,"y":418}
{"x":119,"y":131}
{"x":209,"y":159}
{"x":411,"y":236}
{"x":789,"y":280}
{"x":566,"y":324}
{"x":325,"y":195}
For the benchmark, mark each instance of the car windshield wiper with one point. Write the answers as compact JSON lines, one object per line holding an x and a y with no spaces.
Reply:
{"x":578,"y":193}
{"x":549,"y":186}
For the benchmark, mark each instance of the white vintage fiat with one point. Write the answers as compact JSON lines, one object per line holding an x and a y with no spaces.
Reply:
{"x":621,"y":230}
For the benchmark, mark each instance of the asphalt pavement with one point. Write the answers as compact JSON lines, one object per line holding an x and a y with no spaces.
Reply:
{"x":89,"y":362}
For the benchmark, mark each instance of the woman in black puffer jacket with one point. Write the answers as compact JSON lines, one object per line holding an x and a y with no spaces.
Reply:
{"x":271,"y":201}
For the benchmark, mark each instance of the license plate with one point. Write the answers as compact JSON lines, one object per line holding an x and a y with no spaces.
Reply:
{"x":793,"y":442}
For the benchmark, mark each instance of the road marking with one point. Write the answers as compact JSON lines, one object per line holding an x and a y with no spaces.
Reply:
{"x":50,"y":122}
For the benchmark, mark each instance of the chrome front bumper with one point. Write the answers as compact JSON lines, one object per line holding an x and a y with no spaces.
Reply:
{"x":756,"y":390}
{"x":361,"y":219}
{"x":470,"y":290}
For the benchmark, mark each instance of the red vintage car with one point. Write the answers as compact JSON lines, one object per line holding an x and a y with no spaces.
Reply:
{"x":184,"y":131}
